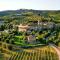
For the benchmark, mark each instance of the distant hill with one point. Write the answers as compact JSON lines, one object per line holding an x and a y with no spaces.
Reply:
{"x":41,"y":12}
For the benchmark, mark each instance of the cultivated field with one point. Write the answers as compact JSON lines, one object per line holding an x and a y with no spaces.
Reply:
{"x":37,"y":53}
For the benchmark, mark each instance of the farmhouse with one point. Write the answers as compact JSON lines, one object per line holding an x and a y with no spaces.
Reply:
{"x":22,"y":27}
{"x":31,"y":38}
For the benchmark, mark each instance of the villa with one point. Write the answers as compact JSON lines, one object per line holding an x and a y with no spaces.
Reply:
{"x":36,"y":25}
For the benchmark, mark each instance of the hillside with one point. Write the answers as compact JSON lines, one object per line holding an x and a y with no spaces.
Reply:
{"x":40,"y":12}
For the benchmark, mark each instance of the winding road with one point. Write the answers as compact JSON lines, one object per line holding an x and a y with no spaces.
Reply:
{"x":56,"y":49}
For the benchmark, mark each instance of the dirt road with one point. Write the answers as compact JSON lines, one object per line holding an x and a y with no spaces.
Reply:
{"x":57,"y":49}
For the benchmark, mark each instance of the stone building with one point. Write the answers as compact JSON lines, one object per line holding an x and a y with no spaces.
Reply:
{"x":36,"y":25}
{"x":31,"y":38}
{"x":22,"y":27}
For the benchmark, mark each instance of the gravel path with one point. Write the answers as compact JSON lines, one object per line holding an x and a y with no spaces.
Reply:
{"x":57,"y":49}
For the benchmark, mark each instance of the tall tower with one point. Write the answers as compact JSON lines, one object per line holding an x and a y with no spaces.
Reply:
{"x":38,"y":22}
